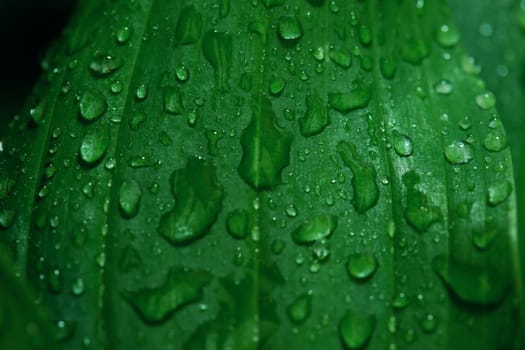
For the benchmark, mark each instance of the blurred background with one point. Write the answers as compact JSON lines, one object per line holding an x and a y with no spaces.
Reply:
{"x":26,"y":29}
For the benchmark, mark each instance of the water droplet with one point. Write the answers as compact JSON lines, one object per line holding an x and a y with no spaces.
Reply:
{"x":217,"y":48}
{"x":278,"y":246}
{"x":291,"y":210}
{"x":300,"y":309}
{"x":277,"y":85}
{"x":79,"y":236}
{"x":124,"y":34}
{"x":64,"y":330}
{"x":237,"y":223}
{"x":104,"y":65}
{"x":361,"y":266}
{"x":7,"y":217}
{"x":38,"y":112}
{"x":266,"y":148}
{"x":290,"y":29}
{"x":340,"y":57}
{"x":55,"y":281}
{"x":129,"y":259}
{"x":495,"y":141}
{"x":77,"y":288}
{"x":447,"y":35}
{"x":429,"y":323}
{"x":116,"y":87}
{"x":189,"y":26}
{"x":459,"y":152}
{"x":198,"y":202}
{"x":182,"y":73}
{"x":486,"y":100}
{"x":315,"y":118}
{"x":315,"y":228}
{"x":365,"y":35}
{"x":94,"y":145}
{"x":400,"y":301}
{"x":443,"y":87}
{"x":388,"y":67}
{"x":418,"y":213}
{"x":403,"y":144}
{"x":142,"y":92}
{"x":92,"y":105}
{"x":364,"y":181}
{"x":414,"y":51}
{"x":356,"y":330}
{"x":483,"y":238}
{"x":181,"y":287}
{"x":480,"y":285}
{"x":357,"y":98}
{"x":498,"y":193}
{"x":136,"y":120}
{"x":173,"y":101}
{"x":130,"y":195}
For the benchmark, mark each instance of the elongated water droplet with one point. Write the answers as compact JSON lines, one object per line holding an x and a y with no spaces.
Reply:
{"x":92,"y":105}
{"x":198,"y":202}
{"x":479,"y":285}
{"x":290,"y":28}
{"x":217,"y":48}
{"x":300,"y":309}
{"x":136,"y":120}
{"x":189,"y":26}
{"x":266,"y":148}
{"x":315,"y":118}
{"x":429,"y":323}
{"x":37,"y":112}
{"x":124,"y":34}
{"x":361,"y":266}
{"x":459,"y":152}
{"x":130,"y":195}
{"x":364,"y":181}
{"x":104,"y":65}
{"x":94,"y":145}
{"x":365,"y":35}
{"x":418,"y":212}
{"x":356,"y":330}
{"x":277,"y":86}
{"x":483,"y":238}
{"x":237,"y":224}
{"x":340,"y":57}
{"x":403,"y":144}
{"x":142,"y":92}
{"x":7,"y":217}
{"x":181,"y":287}
{"x":315,"y":228}
{"x":173,"y":101}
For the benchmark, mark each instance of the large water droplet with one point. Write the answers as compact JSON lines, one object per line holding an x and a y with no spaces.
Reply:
{"x":364,"y":181}
{"x":290,"y":28}
{"x":340,"y":57}
{"x":92,"y":105}
{"x":472,"y":284}
{"x":266,"y":148}
{"x":189,"y":26}
{"x":315,"y":228}
{"x":357,"y":98}
{"x":459,"y":152}
{"x":495,"y":141}
{"x":486,"y":100}
{"x":361,"y":266}
{"x":418,"y":213}
{"x":38,"y":112}
{"x":300,"y":309}
{"x":447,"y":35}
{"x":356,"y":330}
{"x":316,"y":116}
{"x":498,"y":193}
{"x":181,"y":287}
{"x":198,"y":202}
{"x":217,"y":48}
{"x":173,"y":100}
{"x":130,"y":195}
{"x":94,"y":145}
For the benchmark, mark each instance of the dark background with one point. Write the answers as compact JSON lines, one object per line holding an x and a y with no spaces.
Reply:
{"x":27,"y":27}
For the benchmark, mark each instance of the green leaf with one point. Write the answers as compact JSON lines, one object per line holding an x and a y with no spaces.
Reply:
{"x":250,"y":185}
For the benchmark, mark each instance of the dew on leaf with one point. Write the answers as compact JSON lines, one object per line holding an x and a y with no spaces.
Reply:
{"x":123,"y":34}
{"x":37,"y":112}
{"x":447,"y":35}
{"x":459,"y":152}
{"x":104,"y":65}
{"x":356,"y":329}
{"x":361,"y":266}
{"x":277,"y":85}
{"x":217,"y":48}
{"x":315,"y":118}
{"x":237,"y":223}
{"x":402,"y":144}
{"x":300,"y":309}
{"x":94,"y":145}
{"x":136,"y":120}
{"x":290,"y":28}
{"x":189,"y":26}
{"x":356,"y":98}
{"x":315,"y":228}
{"x":486,"y":100}
{"x":130,"y":195}
{"x":498,"y":193}
{"x":7,"y":217}
{"x":173,"y":100}
{"x":495,"y":141}
{"x":92,"y":105}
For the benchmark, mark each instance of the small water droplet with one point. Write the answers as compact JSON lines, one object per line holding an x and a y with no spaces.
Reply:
{"x":486,"y":100}
{"x":291,"y":210}
{"x":340,"y":57}
{"x":77,"y":288}
{"x":429,"y":323}
{"x":123,"y":34}
{"x":182,"y":73}
{"x":365,"y":35}
{"x":277,"y":85}
{"x":104,"y":65}
{"x":142,"y":92}
{"x":173,"y":100}
{"x":447,"y":35}
{"x":37,"y":112}
{"x":136,"y":120}
{"x":498,"y":193}
{"x":237,"y":223}
{"x":443,"y":87}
